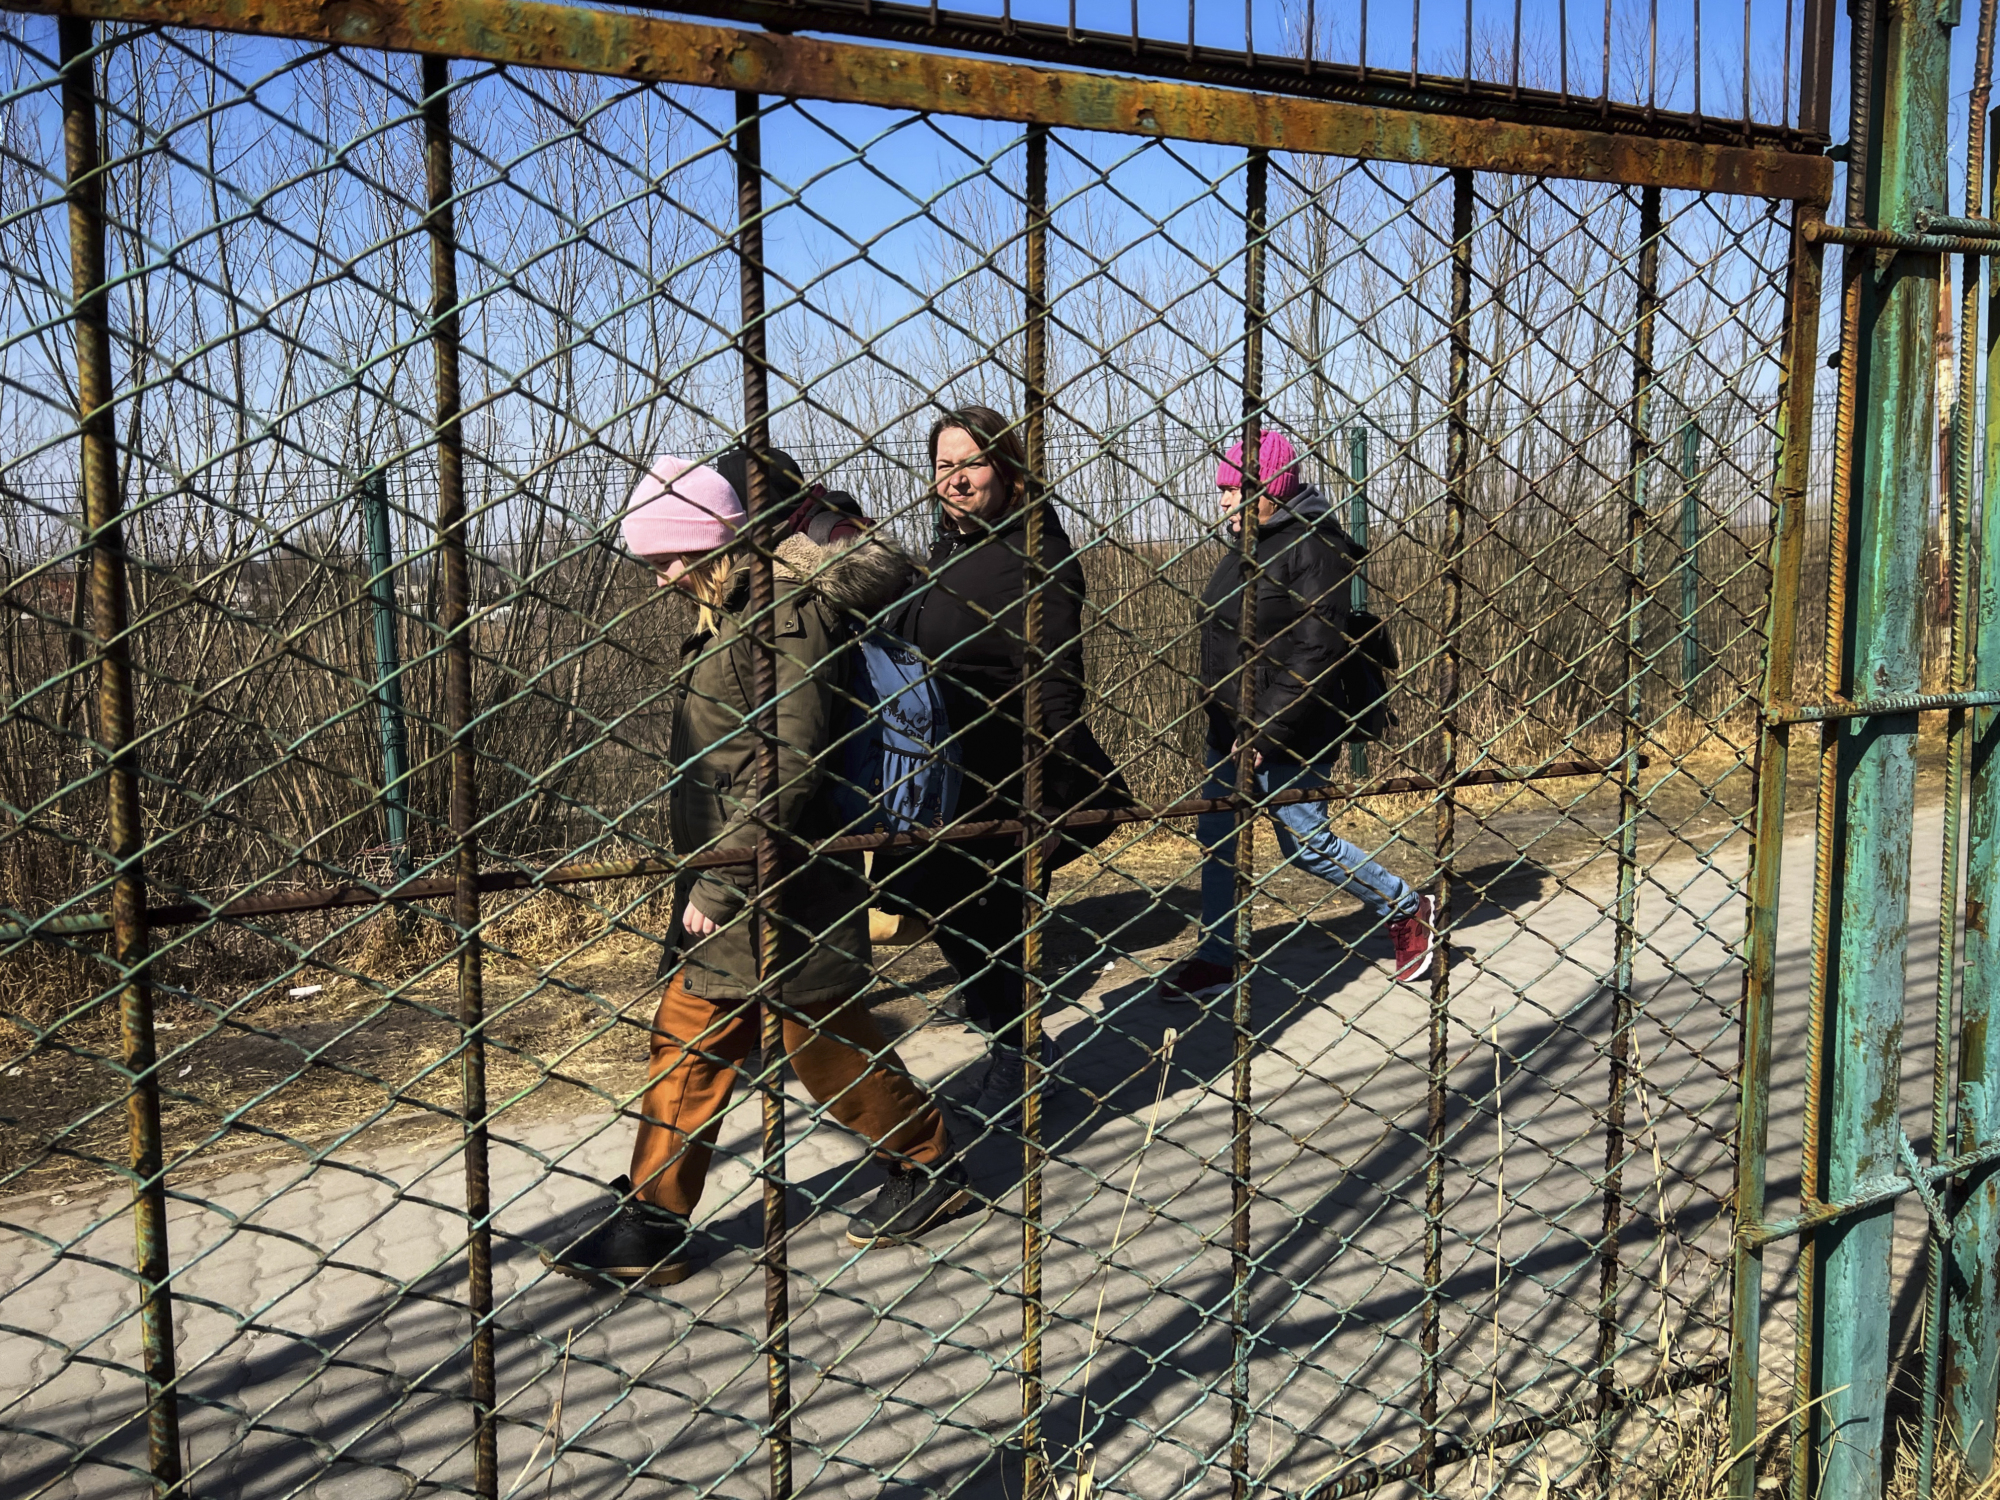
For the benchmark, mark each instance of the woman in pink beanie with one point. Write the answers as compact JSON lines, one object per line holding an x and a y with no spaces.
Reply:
{"x":681,"y":515}
{"x":686,"y":522}
{"x":1277,"y":471}
{"x":1304,"y":704}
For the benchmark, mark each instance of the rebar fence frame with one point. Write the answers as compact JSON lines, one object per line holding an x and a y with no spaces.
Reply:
{"x":1857,"y":1162}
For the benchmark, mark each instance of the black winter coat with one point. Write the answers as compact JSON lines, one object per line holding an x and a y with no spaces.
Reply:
{"x":1307,"y":563}
{"x":967,"y":620}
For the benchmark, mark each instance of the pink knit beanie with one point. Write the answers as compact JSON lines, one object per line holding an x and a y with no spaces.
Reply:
{"x":1277,"y":466}
{"x":681,"y":506}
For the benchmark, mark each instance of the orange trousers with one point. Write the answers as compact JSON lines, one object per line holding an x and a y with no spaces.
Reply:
{"x":698,"y":1045}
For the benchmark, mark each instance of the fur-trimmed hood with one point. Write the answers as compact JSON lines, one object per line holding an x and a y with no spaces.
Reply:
{"x":863,"y":577}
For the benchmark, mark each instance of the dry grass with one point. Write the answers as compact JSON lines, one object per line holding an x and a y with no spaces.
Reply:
{"x":569,"y":984}
{"x":1691,"y":1459}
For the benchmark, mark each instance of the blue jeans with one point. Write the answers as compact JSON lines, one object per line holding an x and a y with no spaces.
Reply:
{"x":1305,"y":837}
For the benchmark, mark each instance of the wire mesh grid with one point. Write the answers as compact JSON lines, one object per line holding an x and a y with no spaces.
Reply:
{"x":1304,"y":1229}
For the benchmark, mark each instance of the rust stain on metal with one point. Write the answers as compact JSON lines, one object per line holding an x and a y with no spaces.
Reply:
{"x":536,"y":34}
{"x":357,"y":21}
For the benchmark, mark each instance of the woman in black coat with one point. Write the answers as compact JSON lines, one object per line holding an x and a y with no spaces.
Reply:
{"x":969,"y":622}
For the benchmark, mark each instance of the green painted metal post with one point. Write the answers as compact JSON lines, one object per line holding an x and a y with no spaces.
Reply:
{"x":1972,"y":1311}
{"x":388,"y":671}
{"x":1860,"y":1033}
{"x":1956,"y":551}
{"x":1357,"y":527}
{"x":1690,"y":562}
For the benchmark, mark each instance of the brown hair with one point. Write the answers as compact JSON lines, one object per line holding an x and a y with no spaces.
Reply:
{"x":999,"y":440}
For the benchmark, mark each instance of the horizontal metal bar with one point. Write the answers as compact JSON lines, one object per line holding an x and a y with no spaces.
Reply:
{"x":332,"y":898}
{"x":624,"y":45}
{"x":1888,"y":239}
{"x":1457,"y":1449}
{"x":1951,"y":224}
{"x":1009,"y":35}
{"x":1868,"y":708}
{"x":1877,"y":1192}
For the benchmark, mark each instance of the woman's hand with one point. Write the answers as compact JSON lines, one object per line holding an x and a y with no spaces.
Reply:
{"x":1256,"y":756}
{"x":694,"y":923}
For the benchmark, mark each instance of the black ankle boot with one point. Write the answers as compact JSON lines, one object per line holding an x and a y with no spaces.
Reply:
{"x":910,"y":1202}
{"x":635,"y":1243}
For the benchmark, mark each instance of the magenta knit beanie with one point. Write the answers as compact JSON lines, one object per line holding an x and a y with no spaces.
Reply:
{"x":1277,"y":466}
{"x":681,"y":506}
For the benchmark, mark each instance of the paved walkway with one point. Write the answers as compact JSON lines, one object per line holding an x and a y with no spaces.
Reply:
{"x":322,"y":1323}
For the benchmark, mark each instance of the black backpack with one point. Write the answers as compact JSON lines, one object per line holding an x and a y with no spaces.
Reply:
{"x":1367,"y":673}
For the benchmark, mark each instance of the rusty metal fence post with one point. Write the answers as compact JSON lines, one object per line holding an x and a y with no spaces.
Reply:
{"x":1458,"y":481}
{"x":1255,"y":229}
{"x":1618,"y":1049}
{"x":130,"y":945}
{"x":1357,"y":527}
{"x":747,"y":148}
{"x":1853,"y":271}
{"x":454,"y":625}
{"x":1800,"y":356}
{"x":1034,"y":832}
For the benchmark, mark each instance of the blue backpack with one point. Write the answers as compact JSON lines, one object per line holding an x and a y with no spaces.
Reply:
{"x":897,"y":768}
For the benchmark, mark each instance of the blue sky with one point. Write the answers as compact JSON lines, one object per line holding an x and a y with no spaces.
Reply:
{"x":1655,"y":38}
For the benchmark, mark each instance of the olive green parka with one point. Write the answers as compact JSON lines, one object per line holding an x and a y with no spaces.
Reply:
{"x":821,"y":910}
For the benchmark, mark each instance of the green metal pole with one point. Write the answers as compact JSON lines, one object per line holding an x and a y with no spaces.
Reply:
{"x":1854,"y":273}
{"x":388,"y":671}
{"x":1860,"y":1035}
{"x":1956,"y":548}
{"x":1357,"y":527}
{"x":1690,"y":560}
{"x":1971,"y":1382}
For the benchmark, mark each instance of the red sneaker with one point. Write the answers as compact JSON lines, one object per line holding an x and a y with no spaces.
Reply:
{"x":1195,"y":979}
{"x":1416,"y":939}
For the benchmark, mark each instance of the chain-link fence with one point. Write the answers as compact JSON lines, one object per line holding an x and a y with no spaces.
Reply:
{"x":950,"y":1003}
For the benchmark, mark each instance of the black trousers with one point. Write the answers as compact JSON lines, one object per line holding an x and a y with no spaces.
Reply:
{"x":971,"y":896}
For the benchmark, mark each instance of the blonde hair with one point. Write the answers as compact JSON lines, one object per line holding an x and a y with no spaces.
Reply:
{"x":709,"y":581}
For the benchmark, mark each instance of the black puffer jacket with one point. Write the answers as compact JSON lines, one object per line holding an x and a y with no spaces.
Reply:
{"x":966,"y":618}
{"x":1307,"y":563}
